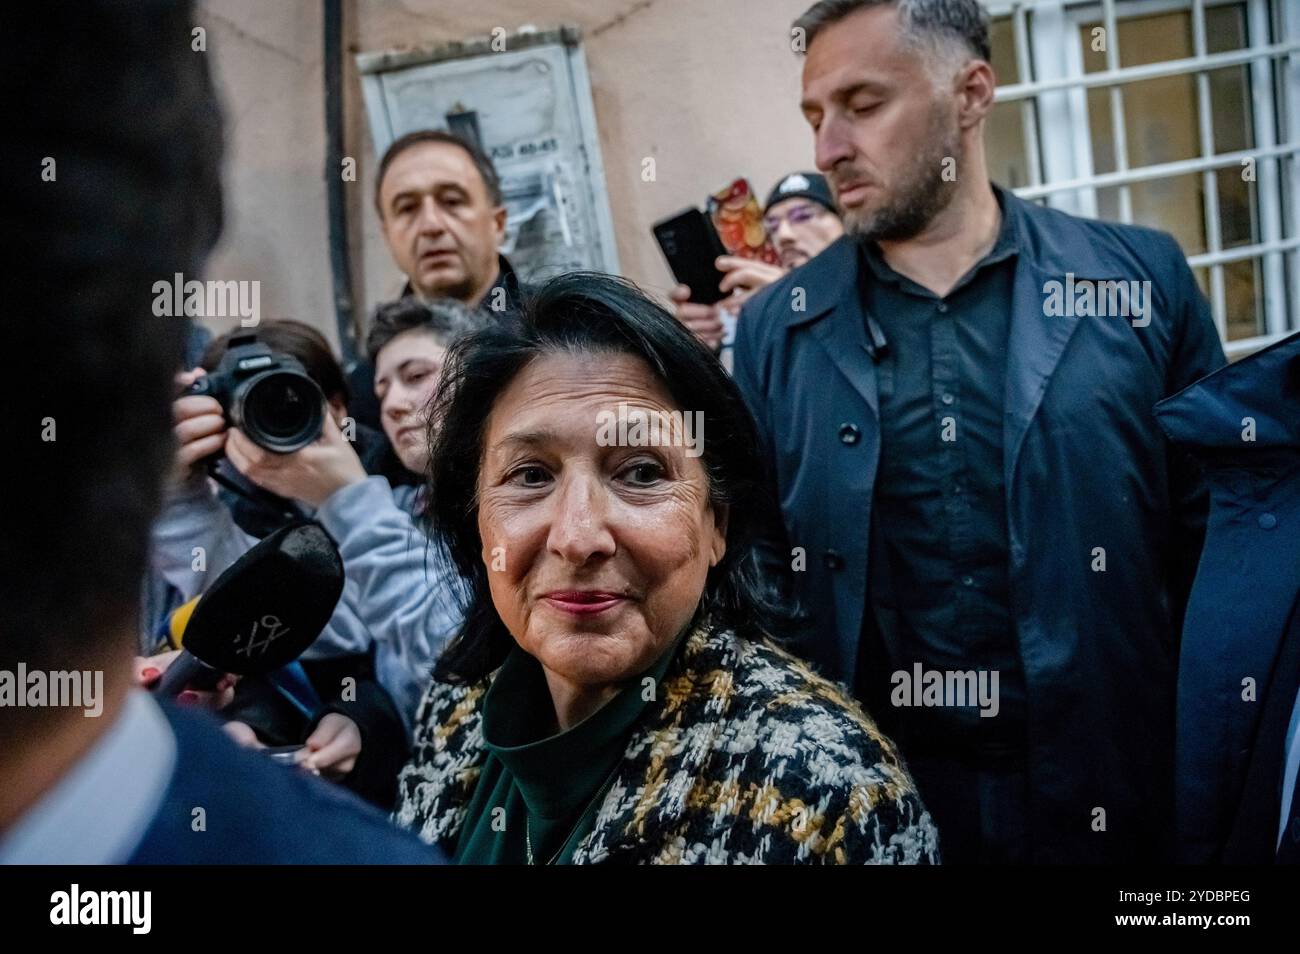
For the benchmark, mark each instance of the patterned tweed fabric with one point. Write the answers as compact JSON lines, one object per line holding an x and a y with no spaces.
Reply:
{"x":745,"y":757}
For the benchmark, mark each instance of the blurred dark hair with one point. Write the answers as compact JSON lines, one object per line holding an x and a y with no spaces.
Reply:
{"x":298,"y":341}
{"x":583,"y":312}
{"x":482,"y":163}
{"x":446,"y":319}
{"x":113,"y":102}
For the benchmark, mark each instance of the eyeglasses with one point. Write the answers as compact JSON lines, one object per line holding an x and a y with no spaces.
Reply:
{"x":796,"y":216}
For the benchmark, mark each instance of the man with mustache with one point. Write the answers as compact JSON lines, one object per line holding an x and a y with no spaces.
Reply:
{"x":439,"y":200}
{"x":972,"y":481}
{"x":443,"y":215}
{"x":800,"y":217}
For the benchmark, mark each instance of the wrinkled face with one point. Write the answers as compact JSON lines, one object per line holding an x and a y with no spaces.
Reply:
{"x":882,"y":129}
{"x":597,"y":555}
{"x":441,"y":227}
{"x":800,"y":229}
{"x":406,"y":375}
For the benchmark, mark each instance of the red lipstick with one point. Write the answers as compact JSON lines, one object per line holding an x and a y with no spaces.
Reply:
{"x":583,"y":602}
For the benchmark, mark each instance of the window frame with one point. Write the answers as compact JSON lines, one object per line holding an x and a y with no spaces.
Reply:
{"x":1058,"y":139}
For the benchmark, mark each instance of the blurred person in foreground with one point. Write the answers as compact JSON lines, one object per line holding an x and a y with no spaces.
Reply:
{"x":613,"y":695}
{"x":800,"y":219}
{"x":137,"y":145}
{"x":991,"y":537}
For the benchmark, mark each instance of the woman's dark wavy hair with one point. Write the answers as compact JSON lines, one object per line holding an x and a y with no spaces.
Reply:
{"x":585,"y":312}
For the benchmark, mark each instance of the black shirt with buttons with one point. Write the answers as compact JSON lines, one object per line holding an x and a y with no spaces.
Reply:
{"x":940,"y":507}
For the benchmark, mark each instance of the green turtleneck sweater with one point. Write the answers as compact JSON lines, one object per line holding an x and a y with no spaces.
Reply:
{"x":540,"y":788}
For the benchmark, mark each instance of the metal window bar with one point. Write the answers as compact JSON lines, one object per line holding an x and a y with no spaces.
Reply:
{"x":1244,"y":346}
{"x":1119,"y":129}
{"x":1272,"y":248}
{"x":1268,"y":191}
{"x":1028,"y":106}
{"x":1161,"y":170}
{"x":1001,"y":8}
{"x":1209,"y":177}
{"x":1133,"y":74}
{"x":1288,"y":22}
{"x":1265,"y":96}
{"x":1244,"y":252}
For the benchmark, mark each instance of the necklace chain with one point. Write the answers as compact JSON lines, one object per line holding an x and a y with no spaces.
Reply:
{"x":528,"y":836}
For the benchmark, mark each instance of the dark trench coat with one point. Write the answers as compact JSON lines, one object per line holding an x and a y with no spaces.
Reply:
{"x":1240,"y":662}
{"x":1085,"y":467}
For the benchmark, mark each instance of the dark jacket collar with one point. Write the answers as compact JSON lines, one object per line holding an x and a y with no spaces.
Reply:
{"x":507,"y":279}
{"x":830,"y":279}
{"x":1207,"y":415}
{"x":1051,"y":245}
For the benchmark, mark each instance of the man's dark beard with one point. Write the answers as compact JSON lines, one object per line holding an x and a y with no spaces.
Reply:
{"x":919,"y":198}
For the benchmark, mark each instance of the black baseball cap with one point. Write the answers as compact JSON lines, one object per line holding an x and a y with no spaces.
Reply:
{"x":802,"y":185}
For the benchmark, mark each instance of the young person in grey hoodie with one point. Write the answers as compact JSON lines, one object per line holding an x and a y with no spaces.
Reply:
{"x":400,"y":592}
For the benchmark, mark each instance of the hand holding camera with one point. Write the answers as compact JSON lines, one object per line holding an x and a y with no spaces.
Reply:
{"x":265,"y":394}
{"x":199,"y":426}
{"x":311,"y":474}
{"x":269,"y":418}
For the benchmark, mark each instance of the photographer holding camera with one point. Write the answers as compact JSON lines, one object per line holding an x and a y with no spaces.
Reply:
{"x":398,"y":600}
{"x":283,"y":383}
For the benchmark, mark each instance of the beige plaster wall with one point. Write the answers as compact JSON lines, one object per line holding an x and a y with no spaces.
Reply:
{"x":709,"y":88}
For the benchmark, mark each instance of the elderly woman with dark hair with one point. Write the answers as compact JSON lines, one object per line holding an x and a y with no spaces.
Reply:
{"x":612,"y":695}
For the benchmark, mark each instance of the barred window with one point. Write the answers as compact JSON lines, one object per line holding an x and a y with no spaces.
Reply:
{"x":1183,"y":115}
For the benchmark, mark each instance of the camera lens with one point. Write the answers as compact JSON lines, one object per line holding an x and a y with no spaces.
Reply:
{"x":281,"y":411}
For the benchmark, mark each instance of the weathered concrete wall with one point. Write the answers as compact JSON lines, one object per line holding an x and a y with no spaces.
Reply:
{"x":709,"y":88}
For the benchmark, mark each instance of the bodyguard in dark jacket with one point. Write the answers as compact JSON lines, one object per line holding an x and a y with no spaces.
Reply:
{"x":1238,"y":744}
{"x":956,"y":401}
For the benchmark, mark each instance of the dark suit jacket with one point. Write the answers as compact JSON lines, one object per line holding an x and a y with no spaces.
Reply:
{"x":1243,"y":619}
{"x":1085,"y":467}
{"x":258,"y":812}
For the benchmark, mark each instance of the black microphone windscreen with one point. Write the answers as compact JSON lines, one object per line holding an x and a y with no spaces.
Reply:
{"x":270,"y":605}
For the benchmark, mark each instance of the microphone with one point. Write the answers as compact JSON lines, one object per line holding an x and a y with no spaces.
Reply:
{"x":263,"y":611}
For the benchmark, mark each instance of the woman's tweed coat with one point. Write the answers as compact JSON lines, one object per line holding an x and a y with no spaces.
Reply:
{"x":745,"y":756}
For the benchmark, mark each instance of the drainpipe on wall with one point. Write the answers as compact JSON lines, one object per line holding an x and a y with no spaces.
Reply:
{"x":340,"y":264}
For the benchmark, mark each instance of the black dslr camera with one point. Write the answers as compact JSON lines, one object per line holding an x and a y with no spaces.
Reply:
{"x":266,"y":395}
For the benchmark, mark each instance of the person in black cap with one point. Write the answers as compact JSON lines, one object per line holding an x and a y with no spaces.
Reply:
{"x":801,"y":219}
